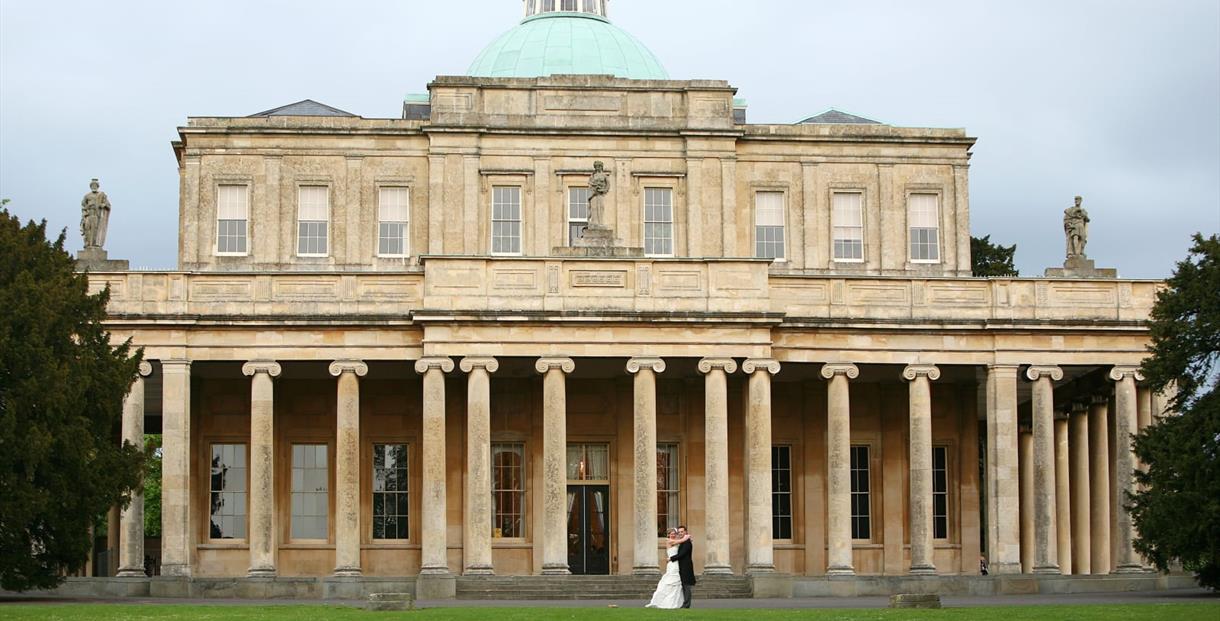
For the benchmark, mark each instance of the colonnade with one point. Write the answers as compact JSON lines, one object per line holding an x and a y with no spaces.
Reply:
{"x":1056,"y":472}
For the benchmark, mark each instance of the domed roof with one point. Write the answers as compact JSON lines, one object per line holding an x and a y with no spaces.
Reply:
{"x":567,"y":42}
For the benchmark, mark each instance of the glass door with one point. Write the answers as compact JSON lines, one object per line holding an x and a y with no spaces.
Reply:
{"x":589,"y":509}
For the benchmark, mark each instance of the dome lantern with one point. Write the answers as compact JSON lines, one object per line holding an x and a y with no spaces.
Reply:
{"x":567,"y":37}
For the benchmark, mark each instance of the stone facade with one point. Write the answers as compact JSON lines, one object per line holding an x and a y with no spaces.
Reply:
{"x":855,"y":395}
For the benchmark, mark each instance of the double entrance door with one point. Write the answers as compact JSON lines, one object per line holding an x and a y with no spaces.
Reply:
{"x":589,"y":509}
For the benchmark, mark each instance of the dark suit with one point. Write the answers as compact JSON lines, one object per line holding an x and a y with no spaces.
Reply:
{"x":686,"y":569}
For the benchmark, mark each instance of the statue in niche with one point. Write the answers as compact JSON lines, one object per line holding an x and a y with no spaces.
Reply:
{"x":599,"y":187}
{"x":1076,"y":228}
{"x":94,"y":216}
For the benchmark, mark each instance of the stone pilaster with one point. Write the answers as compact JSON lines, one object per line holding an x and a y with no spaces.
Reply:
{"x":1078,"y":440}
{"x":920,"y":377}
{"x":1045,"y":537}
{"x":177,"y":538}
{"x":838,"y":468}
{"x":1099,"y":486}
{"x":1026,"y":449}
{"x":554,"y":460}
{"x":434,"y":556}
{"x":1063,"y":496}
{"x":347,"y":466}
{"x":1003,"y":470}
{"x":644,"y":504}
{"x":131,"y":522}
{"x":1126,"y":422}
{"x":716,"y":469}
{"x":477,"y":521}
{"x":262,"y":533}
{"x":760,"y":547}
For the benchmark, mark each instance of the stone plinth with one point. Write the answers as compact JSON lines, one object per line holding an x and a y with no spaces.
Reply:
{"x":1081,"y":267}
{"x":390,"y":602}
{"x":97,"y":260}
{"x":909,"y":600}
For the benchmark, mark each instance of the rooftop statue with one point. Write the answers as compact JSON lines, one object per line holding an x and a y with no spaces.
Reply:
{"x":94,"y":217}
{"x":599,"y":187}
{"x":1076,"y":228}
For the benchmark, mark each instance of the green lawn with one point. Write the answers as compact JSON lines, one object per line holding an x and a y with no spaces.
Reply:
{"x":107,"y":612}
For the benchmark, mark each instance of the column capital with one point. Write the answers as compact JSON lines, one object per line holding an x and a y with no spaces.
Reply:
{"x":1120,"y":373}
{"x":145,"y":368}
{"x":1080,"y":407}
{"x":707,"y":365}
{"x":487,"y":363}
{"x":254,"y":367}
{"x":1035,"y":373}
{"x":656,"y":365}
{"x":913,"y":371}
{"x":846,"y":369}
{"x":567,"y":365}
{"x":442,"y":363}
{"x":339,"y":367}
{"x":760,"y":365}
{"x":1099,"y":400}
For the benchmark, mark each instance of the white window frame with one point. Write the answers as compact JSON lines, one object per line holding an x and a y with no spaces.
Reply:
{"x":947,"y":473}
{"x":246,"y":234}
{"x":568,"y":211}
{"x":326,"y":222}
{"x":673,"y":494}
{"x":522,"y":493}
{"x":863,"y":226}
{"x":790,"y":492}
{"x":936,"y":195}
{"x":242,"y":448}
{"x":868,"y":494}
{"x":325,"y":493}
{"x":406,"y":223}
{"x":673,"y":208}
{"x":374,"y":492}
{"x":520,"y":220}
{"x":575,"y":6}
{"x":783,"y":224}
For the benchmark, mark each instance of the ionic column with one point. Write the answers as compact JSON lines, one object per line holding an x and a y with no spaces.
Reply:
{"x":262,"y":467}
{"x":760,"y":547}
{"x":1026,"y":508}
{"x":477,"y":520}
{"x":716,"y":473}
{"x":1078,"y":439}
{"x":1126,"y":423}
{"x":838,"y":467}
{"x":1099,"y":486}
{"x":177,"y":542}
{"x":1003,"y":470}
{"x":434,"y":555}
{"x":644,"y":464}
{"x":1045,"y":537}
{"x":920,"y":377}
{"x":131,"y":523}
{"x":1063,"y":496}
{"x":347,"y":466}
{"x":554,"y":459}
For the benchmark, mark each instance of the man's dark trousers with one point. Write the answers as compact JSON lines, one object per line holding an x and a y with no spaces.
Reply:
{"x":686,"y":589}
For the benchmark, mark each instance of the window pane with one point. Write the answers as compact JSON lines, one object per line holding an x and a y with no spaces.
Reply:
{"x":668,"y":507}
{"x":924,"y":222}
{"x":506,"y":220}
{"x":658,"y":221}
{"x":860,"y":502}
{"x":227,"y":493}
{"x":781,"y":492}
{"x":940,"y":492}
{"x":310,"y":492}
{"x":231,"y":202}
{"x":390,"y":495}
{"x":848,"y":222}
{"x":314,"y":202}
{"x":508,"y":490}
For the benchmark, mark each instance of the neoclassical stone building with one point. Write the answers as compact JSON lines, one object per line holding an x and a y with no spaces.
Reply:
{"x":387,"y":351}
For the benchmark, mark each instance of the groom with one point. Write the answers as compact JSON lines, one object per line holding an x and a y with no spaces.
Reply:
{"x":685,"y":568}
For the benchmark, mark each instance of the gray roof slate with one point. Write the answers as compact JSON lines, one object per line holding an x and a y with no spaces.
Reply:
{"x":836,"y":117}
{"x":305,"y":107}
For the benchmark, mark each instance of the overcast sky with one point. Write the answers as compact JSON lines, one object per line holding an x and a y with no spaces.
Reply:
{"x":1117,"y":100}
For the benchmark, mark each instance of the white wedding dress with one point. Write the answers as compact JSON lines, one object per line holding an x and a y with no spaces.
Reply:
{"x":669,"y":589}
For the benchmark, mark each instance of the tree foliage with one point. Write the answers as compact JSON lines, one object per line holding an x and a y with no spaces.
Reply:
{"x":61,"y":391}
{"x":152,"y":486}
{"x":988,"y":259}
{"x":1177,"y":511}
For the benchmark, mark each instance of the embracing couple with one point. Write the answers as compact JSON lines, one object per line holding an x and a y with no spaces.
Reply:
{"x":674,"y":589}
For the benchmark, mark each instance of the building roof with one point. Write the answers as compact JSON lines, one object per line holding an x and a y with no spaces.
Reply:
{"x":305,"y":107}
{"x":836,"y":117}
{"x":567,"y":43}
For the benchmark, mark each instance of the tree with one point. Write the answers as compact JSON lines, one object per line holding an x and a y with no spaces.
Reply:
{"x":1177,"y":510}
{"x":152,"y":486}
{"x":61,"y":391}
{"x":988,"y":259}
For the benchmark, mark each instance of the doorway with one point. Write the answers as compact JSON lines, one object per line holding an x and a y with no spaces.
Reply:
{"x":589,"y":509}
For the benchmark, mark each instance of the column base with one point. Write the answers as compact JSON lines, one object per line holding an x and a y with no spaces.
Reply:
{"x":924,"y":570}
{"x":717,"y":570}
{"x":1127,"y":569}
{"x":1048,"y":570}
{"x":645,"y":571}
{"x":348,"y":572}
{"x":840,"y":571}
{"x":434,"y":571}
{"x":555,"y":569}
{"x":479,"y":570}
{"x":753,"y":570}
{"x":436,"y":586}
{"x":261,"y":572}
{"x":131,"y":573}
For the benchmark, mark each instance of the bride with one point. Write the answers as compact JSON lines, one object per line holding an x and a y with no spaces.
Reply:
{"x":669,"y":590}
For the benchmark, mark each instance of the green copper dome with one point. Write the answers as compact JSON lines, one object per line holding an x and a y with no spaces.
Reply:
{"x":567,"y":43}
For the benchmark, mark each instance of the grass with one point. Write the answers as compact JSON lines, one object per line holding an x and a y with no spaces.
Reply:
{"x":115,"y":612}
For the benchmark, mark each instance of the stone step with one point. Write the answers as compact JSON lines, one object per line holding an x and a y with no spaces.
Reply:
{"x":591,"y":587}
